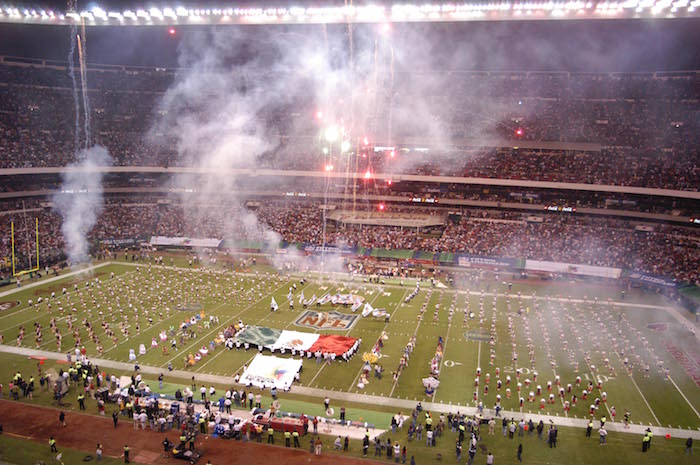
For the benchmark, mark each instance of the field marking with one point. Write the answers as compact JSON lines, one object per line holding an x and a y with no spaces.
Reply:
{"x":256,"y":324}
{"x":645,"y":400}
{"x":346,"y":334}
{"x":54,"y":279}
{"x":398,"y":304}
{"x":631,"y":376}
{"x":56,"y":301}
{"x":233,"y":318}
{"x":455,"y":296}
{"x":684,"y":397}
{"x":341,"y":396}
{"x":152,"y":299}
{"x":415,"y":334}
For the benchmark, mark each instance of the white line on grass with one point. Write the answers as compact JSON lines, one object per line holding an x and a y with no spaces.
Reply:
{"x":684,"y":397}
{"x":51,"y":280}
{"x":56,"y":301}
{"x":256,"y":324}
{"x":218,"y":328}
{"x":155,"y":327}
{"x":444,"y":346}
{"x":346,"y":334}
{"x":631,"y":376}
{"x":398,"y":304}
{"x":415,"y":333}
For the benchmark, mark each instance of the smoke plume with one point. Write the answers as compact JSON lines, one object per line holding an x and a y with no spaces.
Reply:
{"x":80,"y":200}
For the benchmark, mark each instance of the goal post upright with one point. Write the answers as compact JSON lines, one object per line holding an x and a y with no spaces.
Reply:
{"x":12,"y":234}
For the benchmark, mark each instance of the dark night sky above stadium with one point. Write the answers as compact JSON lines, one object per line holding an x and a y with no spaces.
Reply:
{"x":588,"y":45}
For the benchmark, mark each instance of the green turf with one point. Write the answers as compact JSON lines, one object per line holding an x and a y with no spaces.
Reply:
{"x":573,"y":447}
{"x":231,"y":297}
{"x":18,"y":451}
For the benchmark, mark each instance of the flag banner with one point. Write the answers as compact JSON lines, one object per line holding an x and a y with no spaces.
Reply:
{"x":301,"y":297}
{"x":268,"y":371}
{"x":379,"y":313}
{"x":367,"y":310}
{"x":346,"y":299}
{"x":259,"y":336}
{"x":323,"y":320}
{"x":295,"y":340}
{"x":333,"y":344}
{"x":273,"y":305}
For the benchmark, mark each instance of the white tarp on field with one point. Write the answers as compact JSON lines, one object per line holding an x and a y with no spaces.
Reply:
{"x":295,"y":340}
{"x":267,"y":371}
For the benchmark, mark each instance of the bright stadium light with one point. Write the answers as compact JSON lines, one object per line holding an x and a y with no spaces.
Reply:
{"x":331,"y":134}
{"x":374,"y":14}
{"x":345,"y":146}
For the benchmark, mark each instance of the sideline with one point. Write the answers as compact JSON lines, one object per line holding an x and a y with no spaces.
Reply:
{"x":403,"y":404}
{"x":55,"y":278}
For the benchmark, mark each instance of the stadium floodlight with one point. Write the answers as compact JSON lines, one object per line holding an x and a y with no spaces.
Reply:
{"x":156,"y":13}
{"x":331,"y":134}
{"x":379,"y":14}
{"x":345,"y":146}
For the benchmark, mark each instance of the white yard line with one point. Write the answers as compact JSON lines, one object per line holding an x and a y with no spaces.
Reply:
{"x":444,"y":346}
{"x":233,"y":319}
{"x":684,"y":397}
{"x":631,"y":376}
{"x":645,"y":400}
{"x":415,"y":333}
{"x":398,"y":304}
{"x":55,"y":301}
{"x":256,"y":324}
{"x":99,"y":319}
{"x":55,"y":278}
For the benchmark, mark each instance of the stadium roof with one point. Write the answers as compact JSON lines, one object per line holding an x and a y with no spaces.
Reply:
{"x":228,"y":14}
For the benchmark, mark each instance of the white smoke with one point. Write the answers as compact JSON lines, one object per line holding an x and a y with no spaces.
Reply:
{"x":80,"y":200}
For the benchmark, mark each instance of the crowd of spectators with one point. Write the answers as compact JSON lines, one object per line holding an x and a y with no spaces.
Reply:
{"x":666,"y":250}
{"x":647,"y":125}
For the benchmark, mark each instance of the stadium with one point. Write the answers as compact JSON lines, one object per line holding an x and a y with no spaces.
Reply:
{"x":333,"y":232}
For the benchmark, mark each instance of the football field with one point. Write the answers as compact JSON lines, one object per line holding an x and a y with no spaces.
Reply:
{"x":637,"y":353}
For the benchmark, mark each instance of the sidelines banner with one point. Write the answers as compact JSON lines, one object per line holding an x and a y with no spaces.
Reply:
{"x":184,"y":242}
{"x":114,"y":242}
{"x":259,"y":336}
{"x":581,"y":270}
{"x":268,"y":371}
{"x":482,"y":260}
{"x":334,"y":344}
{"x":647,"y":278}
{"x":310,"y":248}
{"x":295,"y":340}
